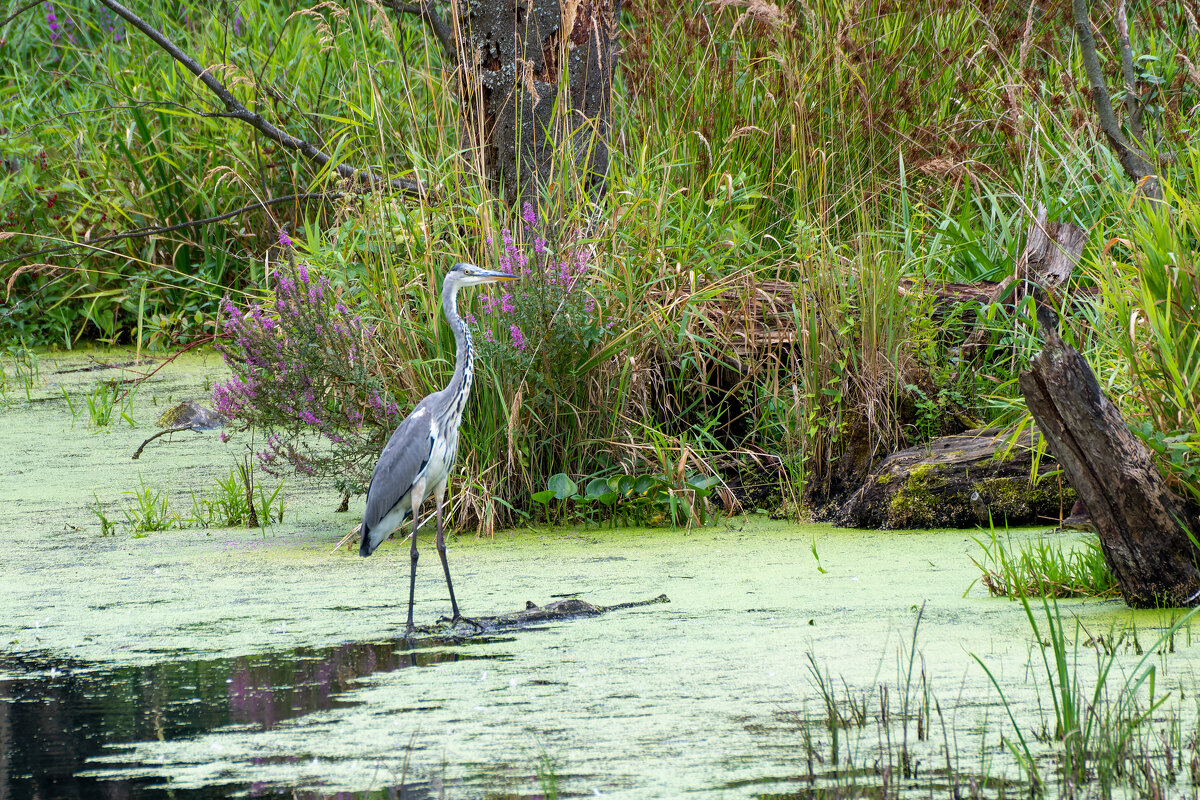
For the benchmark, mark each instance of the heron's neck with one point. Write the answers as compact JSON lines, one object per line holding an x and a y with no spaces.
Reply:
{"x":464,"y":366}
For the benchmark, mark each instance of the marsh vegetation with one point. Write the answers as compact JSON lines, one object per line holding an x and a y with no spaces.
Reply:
{"x":803,"y":255}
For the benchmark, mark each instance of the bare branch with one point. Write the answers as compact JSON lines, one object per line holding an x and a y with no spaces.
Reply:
{"x":19,"y":12}
{"x":425,"y":11}
{"x":1135,"y":165}
{"x":1132,"y":108}
{"x":239,"y":111}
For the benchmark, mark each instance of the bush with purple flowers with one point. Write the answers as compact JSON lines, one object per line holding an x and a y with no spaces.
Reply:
{"x":541,"y":330}
{"x":303,"y":374}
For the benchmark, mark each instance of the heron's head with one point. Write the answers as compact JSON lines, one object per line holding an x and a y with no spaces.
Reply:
{"x":463,"y":274}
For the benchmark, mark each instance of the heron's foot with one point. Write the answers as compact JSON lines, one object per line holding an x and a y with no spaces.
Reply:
{"x":479,"y":626}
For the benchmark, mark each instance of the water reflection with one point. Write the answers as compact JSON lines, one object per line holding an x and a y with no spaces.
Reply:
{"x":58,"y":713}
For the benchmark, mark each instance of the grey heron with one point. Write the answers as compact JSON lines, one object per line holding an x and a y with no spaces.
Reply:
{"x":416,"y":461}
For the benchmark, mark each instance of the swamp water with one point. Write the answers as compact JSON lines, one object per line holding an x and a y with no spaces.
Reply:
{"x":217,"y":662}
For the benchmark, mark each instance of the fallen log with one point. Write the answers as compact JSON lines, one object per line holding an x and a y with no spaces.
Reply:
{"x":1143,"y":527}
{"x":559,"y":611}
{"x":960,"y":481}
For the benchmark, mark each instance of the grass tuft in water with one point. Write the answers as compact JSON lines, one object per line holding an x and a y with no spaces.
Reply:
{"x":106,"y":404}
{"x":237,"y":499}
{"x":1043,"y":568}
{"x":149,"y":512}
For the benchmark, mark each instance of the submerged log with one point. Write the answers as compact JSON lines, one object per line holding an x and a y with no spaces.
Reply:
{"x":188,"y":416}
{"x":1142,"y":525}
{"x":558,"y":611}
{"x":959,"y":481}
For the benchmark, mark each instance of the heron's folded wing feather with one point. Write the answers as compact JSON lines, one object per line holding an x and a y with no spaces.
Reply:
{"x":402,"y":459}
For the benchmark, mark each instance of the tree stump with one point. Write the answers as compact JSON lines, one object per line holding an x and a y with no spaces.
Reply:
{"x":1142,"y":525}
{"x":1052,"y":251}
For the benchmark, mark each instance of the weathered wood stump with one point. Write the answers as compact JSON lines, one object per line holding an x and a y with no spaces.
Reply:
{"x":958,"y":481}
{"x":1142,"y":525}
{"x":1052,"y":251}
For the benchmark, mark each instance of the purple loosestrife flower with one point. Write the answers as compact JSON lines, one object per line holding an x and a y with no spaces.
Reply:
{"x":518,"y":340}
{"x":52,"y":22}
{"x":506,"y":304}
{"x":528,"y":214}
{"x":284,"y":239}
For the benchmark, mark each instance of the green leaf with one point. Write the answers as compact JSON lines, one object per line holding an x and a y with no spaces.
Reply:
{"x":562,"y":486}
{"x":646,"y":484}
{"x":542,"y":497}
{"x":597,"y":487}
{"x":703,"y":484}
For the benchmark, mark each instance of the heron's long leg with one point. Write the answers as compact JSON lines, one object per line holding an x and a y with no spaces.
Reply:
{"x":412,"y":575}
{"x":441,"y":547}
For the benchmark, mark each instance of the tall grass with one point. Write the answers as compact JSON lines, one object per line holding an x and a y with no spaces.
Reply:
{"x":1101,"y":719}
{"x":1150,"y":301}
{"x":772,"y":180}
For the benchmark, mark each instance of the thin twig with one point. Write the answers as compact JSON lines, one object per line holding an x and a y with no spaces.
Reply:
{"x":141,"y":233}
{"x":256,"y":121}
{"x":138,"y":453}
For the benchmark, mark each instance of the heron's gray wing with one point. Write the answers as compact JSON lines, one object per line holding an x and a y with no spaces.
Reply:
{"x":402,"y":459}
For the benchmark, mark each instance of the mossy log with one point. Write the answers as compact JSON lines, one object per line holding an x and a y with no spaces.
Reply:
{"x":187,"y":416}
{"x":558,"y":611}
{"x":959,"y":481}
{"x":1141,"y":524}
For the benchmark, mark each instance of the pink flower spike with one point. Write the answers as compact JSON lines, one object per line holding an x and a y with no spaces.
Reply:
{"x":518,"y":339}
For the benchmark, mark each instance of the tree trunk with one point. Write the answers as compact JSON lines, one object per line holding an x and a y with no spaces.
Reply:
{"x":1140,"y":522}
{"x":524,"y":126}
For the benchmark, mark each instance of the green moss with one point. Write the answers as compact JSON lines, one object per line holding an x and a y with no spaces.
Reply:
{"x":915,"y":504}
{"x":919,"y":474}
{"x":1014,"y":500}
{"x":884,"y":479}
{"x":1002,"y":455}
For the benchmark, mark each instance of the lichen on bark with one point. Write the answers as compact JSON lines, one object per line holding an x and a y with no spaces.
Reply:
{"x":537,"y":89}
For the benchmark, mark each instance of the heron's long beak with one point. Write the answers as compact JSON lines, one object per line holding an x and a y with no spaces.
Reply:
{"x":494,"y":276}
